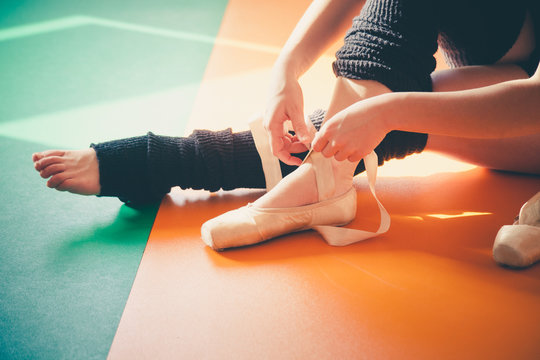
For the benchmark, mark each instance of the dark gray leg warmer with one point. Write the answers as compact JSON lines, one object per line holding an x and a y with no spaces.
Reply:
{"x":143,"y":169}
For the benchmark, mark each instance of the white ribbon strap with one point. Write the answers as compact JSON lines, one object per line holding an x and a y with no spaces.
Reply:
{"x":323,"y":168}
{"x":339,"y":236}
{"x":270,"y":163}
{"x":333,"y":235}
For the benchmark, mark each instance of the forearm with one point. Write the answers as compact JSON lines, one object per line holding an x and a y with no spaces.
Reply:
{"x":503,"y":110}
{"x":323,"y":23}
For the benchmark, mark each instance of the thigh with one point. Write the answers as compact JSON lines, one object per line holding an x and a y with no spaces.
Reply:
{"x":511,"y":154}
{"x":516,"y":154}
{"x":470,"y":77}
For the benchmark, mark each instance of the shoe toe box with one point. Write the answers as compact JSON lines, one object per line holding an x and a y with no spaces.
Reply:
{"x":517,"y":245}
{"x":232,"y":229}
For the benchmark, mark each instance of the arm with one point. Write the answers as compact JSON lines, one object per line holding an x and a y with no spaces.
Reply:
{"x":506,"y":109}
{"x":324,"y":22}
{"x":503,"y":110}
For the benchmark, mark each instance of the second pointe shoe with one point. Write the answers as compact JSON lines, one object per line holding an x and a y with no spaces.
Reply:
{"x":518,"y":245}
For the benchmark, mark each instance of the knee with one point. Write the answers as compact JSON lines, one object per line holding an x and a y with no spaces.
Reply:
{"x":392,"y":42}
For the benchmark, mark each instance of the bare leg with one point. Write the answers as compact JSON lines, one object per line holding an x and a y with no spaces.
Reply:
{"x":76,"y":171}
{"x":503,"y":154}
{"x":510,"y":154}
{"x":299,"y":188}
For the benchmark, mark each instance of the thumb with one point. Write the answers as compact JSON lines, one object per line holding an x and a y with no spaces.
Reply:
{"x":303,"y":132}
{"x":312,"y":131}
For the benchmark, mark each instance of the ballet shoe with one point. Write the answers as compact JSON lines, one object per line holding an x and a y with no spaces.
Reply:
{"x":518,"y":245}
{"x":250,"y":225}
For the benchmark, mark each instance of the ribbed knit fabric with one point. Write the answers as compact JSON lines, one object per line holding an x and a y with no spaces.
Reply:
{"x":392,"y":42}
{"x":144,"y":169}
{"x":479,"y":32}
{"x":123,"y":169}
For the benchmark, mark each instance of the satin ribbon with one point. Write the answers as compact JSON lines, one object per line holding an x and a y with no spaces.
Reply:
{"x":333,"y":235}
{"x":339,"y":236}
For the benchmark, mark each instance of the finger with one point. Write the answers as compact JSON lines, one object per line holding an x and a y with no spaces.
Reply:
{"x":293,"y":145}
{"x":277,"y":134}
{"x":341,"y":155}
{"x":276,"y":145}
{"x":297,"y":147}
{"x":322,"y":138}
{"x":283,"y":153}
{"x":288,"y":159}
{"x":355,"y":158}
{"x":300,"y":126}
{"x":311,"y":128}
{"x":328,"y":151}
{"x":319,"y":143}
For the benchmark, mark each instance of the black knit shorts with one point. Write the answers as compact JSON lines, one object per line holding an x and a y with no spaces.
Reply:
{"x":392,"y":42}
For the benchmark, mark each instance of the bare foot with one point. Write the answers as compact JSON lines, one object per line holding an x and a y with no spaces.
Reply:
{"x":300,"y":187}
{"x":76,"y":171}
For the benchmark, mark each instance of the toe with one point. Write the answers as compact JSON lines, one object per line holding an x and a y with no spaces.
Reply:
{"x":44,"y":154}
{"x":48,"y":161}
{"x":52,"y":170}
{"x":36,"y":156}
{"x":66,"y":185}
{"x":53,"y":153}
{"x":57,"y":180}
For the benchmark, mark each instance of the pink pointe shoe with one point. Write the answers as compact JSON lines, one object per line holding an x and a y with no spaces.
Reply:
{"x":518,"y":245}
{"x":250,"y":225}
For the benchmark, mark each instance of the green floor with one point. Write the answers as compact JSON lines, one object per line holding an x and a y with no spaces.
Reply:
{"x":72,"y":74}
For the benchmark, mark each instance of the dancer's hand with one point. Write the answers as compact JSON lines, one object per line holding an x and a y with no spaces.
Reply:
{"x":354,"y":132}
{"x":287,"y":103}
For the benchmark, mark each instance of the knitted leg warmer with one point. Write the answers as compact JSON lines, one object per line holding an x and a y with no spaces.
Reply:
{"x":143,"y":169}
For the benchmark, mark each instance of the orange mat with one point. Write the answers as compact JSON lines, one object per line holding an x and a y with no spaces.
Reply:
{"x":426,"y":289}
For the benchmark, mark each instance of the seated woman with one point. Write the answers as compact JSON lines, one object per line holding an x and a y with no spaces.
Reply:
{"x":484,"y":110}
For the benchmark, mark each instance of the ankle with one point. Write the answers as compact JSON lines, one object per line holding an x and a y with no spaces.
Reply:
{"x":297,"y":189}
{"x":343,"y":175}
